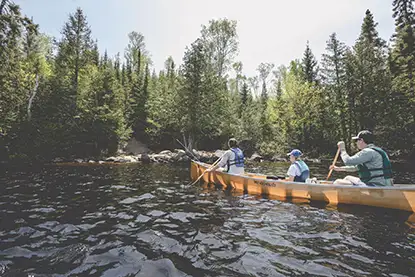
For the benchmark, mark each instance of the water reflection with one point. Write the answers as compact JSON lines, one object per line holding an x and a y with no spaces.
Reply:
{"x":142,"y":220}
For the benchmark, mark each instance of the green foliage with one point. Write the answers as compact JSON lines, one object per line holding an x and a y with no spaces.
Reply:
{"x":402,"y":65}
{"x":73,"y":101}
{"x":221,"y":44}
{"x":309,"y":64}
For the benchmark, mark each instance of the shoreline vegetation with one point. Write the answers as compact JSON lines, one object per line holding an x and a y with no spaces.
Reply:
{"x":64,"y":97}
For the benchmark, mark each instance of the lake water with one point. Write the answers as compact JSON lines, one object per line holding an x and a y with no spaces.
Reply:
{"x":142,"y":220}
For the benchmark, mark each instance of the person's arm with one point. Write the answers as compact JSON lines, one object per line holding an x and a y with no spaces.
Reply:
{"x":291,"y":173}
{"x":361,"y":157}
{"x":223,"y":161}
{"x":350,"y":168}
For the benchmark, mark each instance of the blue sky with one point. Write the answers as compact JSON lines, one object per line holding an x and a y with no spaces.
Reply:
{"x":269,"y":30}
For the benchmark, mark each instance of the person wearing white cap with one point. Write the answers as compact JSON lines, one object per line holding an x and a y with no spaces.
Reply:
{"x":233,"y":159}
{"x":298,"y":170}
{"x":371,"y":162}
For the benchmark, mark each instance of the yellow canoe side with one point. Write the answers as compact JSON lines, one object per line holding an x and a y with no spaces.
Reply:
{"x":400,"y":197}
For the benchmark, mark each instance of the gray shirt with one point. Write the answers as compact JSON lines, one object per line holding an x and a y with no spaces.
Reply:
{"x":229,"y":156}
{"x":371,"y":159}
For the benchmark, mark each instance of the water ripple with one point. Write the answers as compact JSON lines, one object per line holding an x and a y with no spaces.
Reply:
{"x":142,"y":220}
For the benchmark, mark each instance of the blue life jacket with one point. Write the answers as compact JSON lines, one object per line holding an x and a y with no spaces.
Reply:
{"x":239,"y":158}
{"x":305,"y":172}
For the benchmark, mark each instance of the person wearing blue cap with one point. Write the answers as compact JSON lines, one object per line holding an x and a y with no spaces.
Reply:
{"x":298,"y":170}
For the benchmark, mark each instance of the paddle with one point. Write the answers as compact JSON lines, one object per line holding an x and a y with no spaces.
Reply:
{"x":333,"y":164}
{"x":188,"y":151}
{"x":200,"y":177}
{"x":272,"y":177}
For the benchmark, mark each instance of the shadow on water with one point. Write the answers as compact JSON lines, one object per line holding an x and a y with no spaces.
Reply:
{"x":142,"y":220}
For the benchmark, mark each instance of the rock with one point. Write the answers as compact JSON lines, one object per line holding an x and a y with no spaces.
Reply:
{"x":122,"y":159}
{"x":161,"y":158}
{"x":180,"y":156}
{"x":166,"y":152}
{"x":91,"y":161}
{"x":256,"y":157}
{"x":278,"y":159}
{"x":204,"y":156}
{"x":312,"y":160}
{"x":111,"y":159}
{"x":127,"y":159}
{"x":179,"y":151}
{"x":145,"y":158}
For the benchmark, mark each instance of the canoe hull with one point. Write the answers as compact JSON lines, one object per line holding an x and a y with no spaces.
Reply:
{"x":402,"y":198}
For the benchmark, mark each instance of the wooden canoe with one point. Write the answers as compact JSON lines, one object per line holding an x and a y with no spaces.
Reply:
{"x":400,"y":197}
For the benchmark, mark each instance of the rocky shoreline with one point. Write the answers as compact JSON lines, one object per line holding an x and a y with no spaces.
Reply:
{"x":168,"y":156}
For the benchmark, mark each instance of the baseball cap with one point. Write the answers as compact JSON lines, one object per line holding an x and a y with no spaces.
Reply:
{"x":295,"y":153}
{"x":366,"y":135}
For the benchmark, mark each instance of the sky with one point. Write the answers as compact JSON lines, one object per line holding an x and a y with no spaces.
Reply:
{"x":274,"y":31}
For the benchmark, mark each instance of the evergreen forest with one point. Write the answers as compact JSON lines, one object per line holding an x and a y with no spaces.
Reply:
{"x":64,"y":97}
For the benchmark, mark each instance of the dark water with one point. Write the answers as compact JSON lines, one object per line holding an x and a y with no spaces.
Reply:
{"x":142,"y":220}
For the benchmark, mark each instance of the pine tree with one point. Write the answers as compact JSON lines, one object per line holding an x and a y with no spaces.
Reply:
{"x":117,"y":67}
{"x":333,"y":75}
{"x":309,"y":64}
{"x":76,"y":47}
{"x":14,"y":28}
{"x":402,"y":65}
{"x":372,"y":75}
{"x":74,"y":66}
{"x":201,"y":96}
{"x":403,"y":53}
{"x":244,"y":95}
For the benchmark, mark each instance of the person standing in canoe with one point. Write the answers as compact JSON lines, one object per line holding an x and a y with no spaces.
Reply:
{"x":371,"y":162}
{"x":298,"y":170}
{"x":232,"y":160}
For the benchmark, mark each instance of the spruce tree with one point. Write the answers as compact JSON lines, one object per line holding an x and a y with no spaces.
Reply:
{"x":309,"y":64}
{"x":333,"y":71}
{"x":76,"y":48}
{"x":402,"y":65}
{"x":244,"y":95}
{"x":372,"y":75}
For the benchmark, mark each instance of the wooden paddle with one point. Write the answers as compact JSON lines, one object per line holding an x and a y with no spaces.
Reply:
{"x":187,"y":151}
{"x":200,"y":177}
{"x":333,"y":164}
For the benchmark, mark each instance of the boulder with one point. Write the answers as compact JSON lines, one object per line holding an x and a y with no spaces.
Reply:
{"x":122,"y":159}
{"x":127,"y":159}
{"x":166,"y":152}
{"x":279,"y":159}
{"x":161,"y":158}
{"x":312,"y":160}
{"x":205,"y":156}
{"x":111,"y":159}
{"x":145,"y":158}
{"x":256,"y":158}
